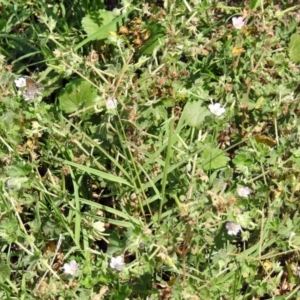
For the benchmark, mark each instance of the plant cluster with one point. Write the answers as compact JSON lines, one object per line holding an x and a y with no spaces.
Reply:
{"x":149,"y":149}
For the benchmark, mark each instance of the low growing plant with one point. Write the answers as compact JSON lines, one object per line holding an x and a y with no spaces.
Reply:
{"x":149,"y":150}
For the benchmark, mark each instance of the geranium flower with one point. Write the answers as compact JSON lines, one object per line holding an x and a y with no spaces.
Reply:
{"x":70,"y":268}
{"x":117,"y":263}
{"x":111,"y":103}
{"x":232,"y":228}
{"x":238,"y":22}
{"x":216,"y":109}
{"x":244,"y":192}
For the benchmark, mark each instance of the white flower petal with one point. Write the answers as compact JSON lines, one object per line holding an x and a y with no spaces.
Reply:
{"x":20,"y":82}
{"x":292,"y":235}
{"x":70,"y":268}
{"x":216,"y":109}
{"x":117,"y":263}
{"x":238,"y":22}
{"x":232,"y":228}
{"x":111,"y":103}
{"x":244,"y":192}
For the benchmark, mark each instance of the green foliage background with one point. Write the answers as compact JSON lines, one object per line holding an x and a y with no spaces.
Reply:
{"x":156,"y":179}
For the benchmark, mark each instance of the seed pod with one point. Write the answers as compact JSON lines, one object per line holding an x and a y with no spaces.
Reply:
{"x":137,"y":41}
{"x":123,"y":30}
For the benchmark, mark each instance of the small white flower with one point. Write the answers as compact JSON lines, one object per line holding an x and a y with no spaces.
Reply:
{"x":292,"y":235}
{"x":232,"y":228}
{"x":20,"y":82}
{"x":111,"y":103}
{"x":216,"y":109}
{"x":70,"y":268}
{"x":238,"y":23}
{"x":244,"y":191}
{"x":117,"y":263}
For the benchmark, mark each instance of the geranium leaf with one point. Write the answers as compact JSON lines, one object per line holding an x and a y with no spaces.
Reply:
{"x":194,"y":113}
{"x":77,"y":95}
{"x":294,"y":48}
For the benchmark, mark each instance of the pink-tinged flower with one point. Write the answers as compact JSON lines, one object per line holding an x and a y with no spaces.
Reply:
{"x":20,"y":82}
{"x":244,"y":192}
{"x":70,"y":268}
{"x":216,"y":109}
{"x":117,"y":263}
{"x":111,"y":103}
{"x":232,"y":228}
{"x":238,"y":22}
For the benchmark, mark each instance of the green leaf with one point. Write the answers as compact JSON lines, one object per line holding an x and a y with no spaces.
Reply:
{"x":243,"y":160}
{"x":194,"y":114}
{"x":255,"y":3}
{"x":116,"y":244}
{"x":157,"y":111}
{"x":104,"y":31}
{"x":294,"y":48}
{"x":98,"y":20}
{"x":121,"y":214}
{"x":156,"y":32}
{"x":77,"y":95}
{"x":106,"y":176}
{"x":19,"y":170}
{"x":213,"y":159}
{"x":16,"y":182}
{"x":4,"y":271}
